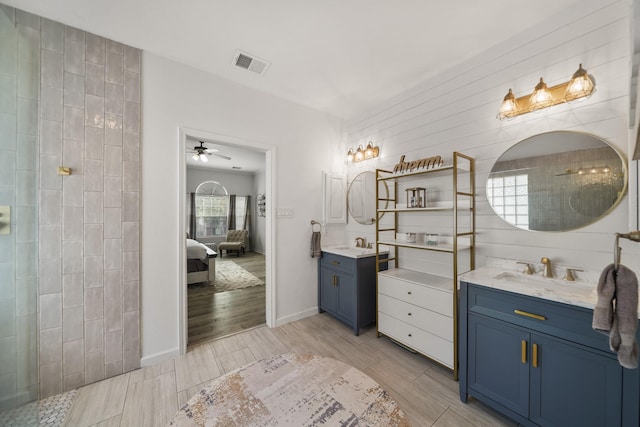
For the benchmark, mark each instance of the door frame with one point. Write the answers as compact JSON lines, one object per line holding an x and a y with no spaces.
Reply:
{"x":270,"y":194}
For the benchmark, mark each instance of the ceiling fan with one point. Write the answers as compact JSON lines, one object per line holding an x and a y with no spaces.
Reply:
{"x":201,"y":152}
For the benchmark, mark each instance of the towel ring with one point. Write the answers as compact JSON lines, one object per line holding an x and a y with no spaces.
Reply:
{"x":314,"y":223}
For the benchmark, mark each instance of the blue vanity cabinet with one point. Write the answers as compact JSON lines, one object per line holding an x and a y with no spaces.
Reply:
{"x":347,"y":289}
{"x":549,"y":369}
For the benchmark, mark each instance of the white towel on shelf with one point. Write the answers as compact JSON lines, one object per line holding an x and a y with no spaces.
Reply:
{"x":316,"y":249}
{"x":616,"y":312}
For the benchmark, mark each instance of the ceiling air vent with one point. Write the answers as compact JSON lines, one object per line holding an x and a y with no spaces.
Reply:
{"x":250,"y":62}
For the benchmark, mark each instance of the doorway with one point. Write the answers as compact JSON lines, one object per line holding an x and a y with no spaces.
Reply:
{"x":220,"y":314}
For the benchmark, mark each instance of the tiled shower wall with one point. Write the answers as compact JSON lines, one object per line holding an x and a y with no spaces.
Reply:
{"x":89,"y":110}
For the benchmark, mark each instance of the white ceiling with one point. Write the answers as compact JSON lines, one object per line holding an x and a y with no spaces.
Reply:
{"x":343,"y":57}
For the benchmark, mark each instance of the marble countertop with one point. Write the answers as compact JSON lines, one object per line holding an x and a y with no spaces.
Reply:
{"x":351,"y":251}
{"x":579,"y":293}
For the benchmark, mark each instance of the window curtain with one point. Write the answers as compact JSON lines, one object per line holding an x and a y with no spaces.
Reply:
{"x":192,"y":216}
{"x":247,"y":213}
{"x":231,"y":222}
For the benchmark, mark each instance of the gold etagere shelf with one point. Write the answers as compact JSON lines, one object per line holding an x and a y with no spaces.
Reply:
{"x":396,"y":284}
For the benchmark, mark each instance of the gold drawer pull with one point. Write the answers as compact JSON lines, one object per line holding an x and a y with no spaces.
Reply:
{"x":335,"y":262}
{"x":527,"y":314}
{"x":535,"y":356}
{"x":524,"y":351}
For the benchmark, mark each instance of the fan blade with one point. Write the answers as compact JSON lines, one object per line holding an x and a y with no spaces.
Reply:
{"x":221,"y":156}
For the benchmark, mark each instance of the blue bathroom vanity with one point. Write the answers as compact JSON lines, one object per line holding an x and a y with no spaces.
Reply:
{"x":536,"y":359}
{"x":347,"y":285}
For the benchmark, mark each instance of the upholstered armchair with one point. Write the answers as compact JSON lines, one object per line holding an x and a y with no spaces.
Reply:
{"x":236,"y":241}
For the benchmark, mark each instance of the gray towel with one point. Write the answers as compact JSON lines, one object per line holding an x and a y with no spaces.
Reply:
{"x":616,"y":312}
{"x":315,"y":245}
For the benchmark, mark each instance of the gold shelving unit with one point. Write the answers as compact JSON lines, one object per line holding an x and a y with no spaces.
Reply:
{"x":462,"y":236}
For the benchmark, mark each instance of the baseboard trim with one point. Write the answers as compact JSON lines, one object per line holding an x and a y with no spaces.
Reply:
{"x":152,"y":359}
{"x":296,"y":316}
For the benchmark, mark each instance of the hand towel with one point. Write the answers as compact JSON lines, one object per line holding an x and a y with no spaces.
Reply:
{"x":315,"y":244}
{"x":603,"y":313}
{"x":616,"y":312}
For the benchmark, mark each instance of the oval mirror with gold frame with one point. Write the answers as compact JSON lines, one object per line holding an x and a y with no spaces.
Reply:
{"x":557,"y":181}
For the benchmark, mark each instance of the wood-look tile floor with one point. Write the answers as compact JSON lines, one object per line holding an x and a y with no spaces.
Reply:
{"x":152,"y":395}
{"x":217,"y":315}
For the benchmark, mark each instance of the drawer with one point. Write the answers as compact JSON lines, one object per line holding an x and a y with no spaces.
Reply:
{"x":422,"y":341}
{"x":430,"y":321}
{"x":413,"y":293}
{"x":337,"y":262}
{"x":561,"y":320}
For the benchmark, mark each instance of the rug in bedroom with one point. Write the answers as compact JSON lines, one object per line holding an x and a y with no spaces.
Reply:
{"x":229,"y":276}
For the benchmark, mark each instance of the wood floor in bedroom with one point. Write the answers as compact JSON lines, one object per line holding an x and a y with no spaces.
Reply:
{"x":229,"y":312}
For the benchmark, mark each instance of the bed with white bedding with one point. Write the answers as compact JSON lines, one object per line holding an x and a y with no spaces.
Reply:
{"x":201,"y":265}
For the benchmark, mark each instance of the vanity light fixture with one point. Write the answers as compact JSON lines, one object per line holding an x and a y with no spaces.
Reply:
{"x":581,"y":85}
{"x":370,"y":152}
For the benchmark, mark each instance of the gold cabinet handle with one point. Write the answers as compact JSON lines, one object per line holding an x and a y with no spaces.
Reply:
{"x":334,"y":262}
{"x":534,"y":356}
{"x":524,"y":351}
{"x":527,"y":314}
{"x":333,"y":280}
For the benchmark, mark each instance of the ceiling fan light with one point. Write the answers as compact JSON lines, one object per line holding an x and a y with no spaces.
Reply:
{"x":195,"y":157}
{"x":203,"y":158}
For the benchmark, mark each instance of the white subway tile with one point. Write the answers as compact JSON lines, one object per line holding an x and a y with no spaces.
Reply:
{"x":74,"y":56}
{"x":93,"y":272}
{"x":73,"y":90}
{"x":51,"y":311}
{"x":49,"y":277}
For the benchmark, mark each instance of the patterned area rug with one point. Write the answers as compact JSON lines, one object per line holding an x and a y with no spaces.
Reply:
{"x":229,"y":276}
{"x":292,"y":390}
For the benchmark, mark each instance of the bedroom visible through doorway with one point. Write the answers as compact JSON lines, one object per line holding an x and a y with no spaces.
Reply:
{"x":224,"y":199}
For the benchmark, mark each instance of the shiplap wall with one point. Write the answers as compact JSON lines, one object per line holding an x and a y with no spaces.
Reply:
{"x":456,"y":111}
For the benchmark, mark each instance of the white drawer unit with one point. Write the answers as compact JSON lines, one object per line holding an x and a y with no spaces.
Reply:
{"x":430,"y":243}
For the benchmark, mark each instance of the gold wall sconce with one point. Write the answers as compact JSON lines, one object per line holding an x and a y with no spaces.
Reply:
{"x":369,"y":152}
{"x":581,"y":85}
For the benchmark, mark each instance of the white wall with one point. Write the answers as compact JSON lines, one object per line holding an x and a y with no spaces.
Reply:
{"x":456,"y":111}
{"x":304,"y":142}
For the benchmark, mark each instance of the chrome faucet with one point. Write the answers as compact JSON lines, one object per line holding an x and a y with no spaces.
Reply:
{"x":361,"y":242}
{"x":548,"y":273}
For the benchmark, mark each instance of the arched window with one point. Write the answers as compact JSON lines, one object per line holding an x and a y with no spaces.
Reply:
{"x":212,"y":209}
{"x":212,"y":205}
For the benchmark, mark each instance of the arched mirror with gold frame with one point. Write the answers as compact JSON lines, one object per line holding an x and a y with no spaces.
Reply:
{"x":557,"y":181}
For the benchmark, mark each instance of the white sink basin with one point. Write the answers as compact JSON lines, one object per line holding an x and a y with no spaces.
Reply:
{"x":350,"y":251}
{"x":540,"y":282}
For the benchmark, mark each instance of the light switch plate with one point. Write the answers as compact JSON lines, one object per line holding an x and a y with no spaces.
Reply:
{"x":5,"y":219}
{"x":284,"y":212}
